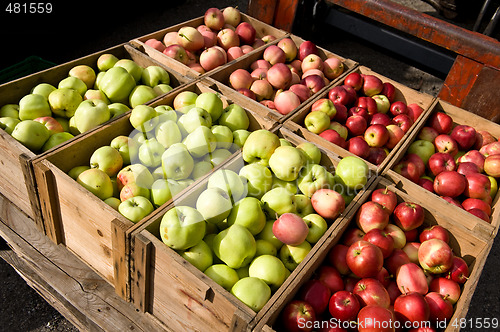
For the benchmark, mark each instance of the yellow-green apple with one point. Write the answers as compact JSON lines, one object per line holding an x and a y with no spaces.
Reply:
{"x":95,"y":94}
{"x":73,"y":83}
{"x":132,"y":189}
{"x":184,"y":101}
{"x":117,"y":84}
{"x":117,"y":109}
{"x":160,"y":192}
{"x":278,"y":201}
{"x":246,"y":33}
{"x":43,"y":89}
{"x":324,"y":105}
{"x":435,"y":256}
{"x":317,"y":227}
{"x":371,"y":215}
{"x":10,"y":110}
{"x":210,"y":102}
{"x":217,"y":157}
{"x":84,"y":73}
{"x":286,"y":162}
{"x":232,"y":16}
{"x":214,"y":204}
{"x":254,"y":292}
{"x":33,"y":106}
{"x":162,"y":88}
{"x":75,"y":171}
{"x":259,"y":146}
{"x":193,"y":119}
{"x":182,"y":227}
{"x":31,"y":134}
{"x":64,"y":101}
{"x":492,"y":165}
{"x":441,"y":122}
{"x":328,"y":203}
{"x":352,"y":172}
{"x":8,"y":124}
{"x":311,"y":151}
{"x":291,"y":186}
{"x":141,"y":94}
{"x":313,"y":178}
{"x":168,"y":133}
{"x":423,"y":148}
{"x":106,"y":61}
{"x":265,"y":247}
{"x":150,"y":153}
{"x":408,"y":216}
{"x":107,"y":159}
{"x":230,"y":182}
{"x":259,"y":179}
{"x":234,"y":117}
{"x":449,"y":183}
{"x":289,"y":48}
{"x":113,"y":202}
{"x":52,"y":125}
{"x":317,"y":122}
{"x":268,"y":235}
{"x":97,"y":182}
{"x":177,"y":162}
{"x":91,"y":113}
{"x":292,"y":256}
{"x":56,"y":139}
{"x":143,"y":118}
{"x":235,"y":246}
{"x":127,"y":148}
{"x":270,"y":269}
{"x":166,"y":112}
{"x":132,"y":67}
{"x":248,"y":213}
{"x":383,"y":103}
{"x":199,"y":255}
{"x":290,"y":229}
{"x":303,"y":205}
{"x":222,"y":275}
{"x":201,"y":142}
{"x":397,"y":235}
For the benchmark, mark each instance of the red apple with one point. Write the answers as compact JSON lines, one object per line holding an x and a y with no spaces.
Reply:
{"x":344,"y":306}
{"x":364,"y":259}
{"x":367,"y":103}
{"x":352,"y":235}
{"x":306,"y":48}
{"x":371,"y":215}
{"x":395,"y":135}
{"x":330,"y":277}
{"x":480,"y":214}
{"x":234,"y":53}
{"x":240,"y":78}
{"x":338,"y":94}
{"x":317,"y":294}
{"x":334,"y":137}
{"x":358,"y":110}
{"x":434,"y":232}
{"x":393,"y":291}
{"x":417,"y":160}
{"x":290,"y":229}
{"x":483,"y":137}
{"x":246,"y":33}
{"x":440,"y":308}
{"x":156,"y":44}
{"x":464,"y":135}
{"x":260,"y":63}
{"x":381,"y":118}
{"x":298,"y":314}
{"x":411,"y":249}
{"x":352,"y":93}
{"x":490,"y":149}
{"x":440,"y":162}
{"x":467,"y":167}
{"x":286,"y":101}
{"x":408,"y":216}
{"x":412,"y":235}
{"x":355,"y":80}
{"x":376,"y":135}
{"x":376,"y":155}
{"x":386,"y":198}
{"x":435,"y":256}
{"x":403,"y":121}
{"x":384,"y":277}
{"x":398,"y":107}
{"x":314,"y":82}
{"x":452,"y":201}
{"x":375,"y":318}
{"x":214,"y":19}
{"x":446,"y":144}
{"x":328,"y":203}
{"x":337,"y":258}
{"x":428,"y":134}
{"x":371,"y":292}
{"x":449,"y":183}
{"x":227,"y":38}
{"x":273,"y":54}
{"x":477,"y":186}
{"x":247,"y":92}
{"x":447,"y":287}
{"x":412,"y":307}
{"x":411,"y":278}
{"x":414,"y":111}
{"x":475,"y":203}
{"x":459,"y":271}
{"x":356,"y":124}
{"x":473,"y":156}
{"x":398,"y":235}
{"x":280,"y":76}
{"x":372,"y":85}
{"x":341,"y":115}
{"x":176,"y":52}
{"x":426,"y":184}
{"x":408,"y":169}
{"x":397,"y":259}
{"x":301,"y":91}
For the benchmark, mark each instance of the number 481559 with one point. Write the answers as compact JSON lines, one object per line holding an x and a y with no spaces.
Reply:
{"x":29,"y":8}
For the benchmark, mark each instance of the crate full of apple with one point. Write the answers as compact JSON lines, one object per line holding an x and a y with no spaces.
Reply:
{"x":397,"y":263}
{"x":208,"y":42}
{"x":455,"y":155}
{"x":285,"y":74}
{"x":366,"y":115}
{"x":43,"y":110}
{"x":246,"y":230}
{"x":137,"y":163}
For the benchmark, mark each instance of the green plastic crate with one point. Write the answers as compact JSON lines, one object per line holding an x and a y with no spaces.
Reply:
{"x":30,"y":65}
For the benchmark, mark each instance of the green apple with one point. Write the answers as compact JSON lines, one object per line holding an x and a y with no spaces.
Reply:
{"x":242,"y":272}
{"x":268,"y":235}
{"x":199,"y":255}
{"x":292,"y":256}
{"x":184,"y":101}
{"x":214,"y":204}
{"x":157,"y":173}
{"x":143,"y":118}
{"x":182,"y":227}
{"x":247,"y":212}
{"x":201,"y":168}
{"x":166,"y":112}
{"x":56,"y":139}
{"x":162,"y":88}
{"x":113,"y":202}
{"x":211,"y":103}
{"x":107,"y":159}
{"x":317,"y":122}
{"x":106,"y":61}
{"x":43,"y":89}
{"x":193,"y":119}
{"x":96,"y":94}
{"x":265,"y":247}
{"x":352,"y":172}
{"x":285,"y":142}
{"x":259,"y":146}
{"x":64,"y":102}
{"x":154,"y":75}
{"x":259,"y":179}
{"x":98,"y":79}
{"x":150,"y":153}
{"x":339,"y":128}
{"x":97,"y":182}
{"x":8,"y":124}
{"x":270,"y":269}
{"x":75,"y":171}
{"x":201,"y":142}
{"x":239,"y":137}
{"x":278,"y":201}
{"x":286,"y":162}
{"x":223,"y":275}
{"x":117,"y":84}
{"x":317,"y":227}
{"x":90,"y":114}
{"x":494,"y":186}
{"x":84,"y":73}
{"x":10,"y":110}
{"x":177,"y":162}
{"x":135,"y":173}
{"x":168,"y":133}
{"x":132,"y":67}
{"x":311,"y":151}
{"x":117,"y":109}
{"x":230,"y":182}
{"x":217,"y":157}
{"x":33,"y":106}
{"x":141,"y":94}
{"x":127,"y":147}
{"x":160,"y":192}
{"x":31,"y":134}
{"x":424,"y":149}
{"x":73,"y":83}
{"x":235,"y":246}
{"x":303,"y":205}
{"x":312,"y":178}
{"x":135,"y":208}
{"x":224,"y":136}
{"x":254,"y":292}
{"x":234,"y":117}
{"x":291,"y":186}
{"x":63,"y":122}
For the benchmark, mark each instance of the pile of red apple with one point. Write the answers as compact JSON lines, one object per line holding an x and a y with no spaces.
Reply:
{"x":222,"y":38}
{"x":457,"y":163}
{"x":286,"y":75}
{"x":362,"y":116}
{"x":401,"y":274}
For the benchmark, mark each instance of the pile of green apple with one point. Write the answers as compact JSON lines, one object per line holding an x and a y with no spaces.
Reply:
{"x":50,"y":115}
{"x":169,"y":148}
{"x":248,"y":229}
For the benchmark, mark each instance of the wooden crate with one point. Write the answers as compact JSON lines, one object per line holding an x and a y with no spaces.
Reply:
{"x":182,"y":297}
{"x":73,"y":216}
{"x":262,"y":29}
{"x":222,"y":74}
{"x":403,"y":93}
{"x":459,"y":116}
{"x":472,"y":246}
{"x":16,"y":174}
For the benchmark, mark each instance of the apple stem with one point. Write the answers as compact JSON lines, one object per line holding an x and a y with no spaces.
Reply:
{"x":184,"y":36}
